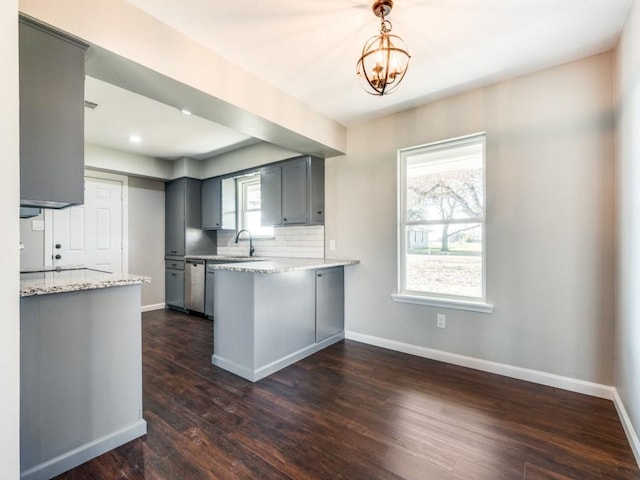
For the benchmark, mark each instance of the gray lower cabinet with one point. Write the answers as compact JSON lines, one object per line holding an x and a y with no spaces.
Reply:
{"x":209,"y":294}
{"x":51,"y":117}
{"x":80,"y":377}
{"x":329,"y":302}
{"x":174,"y":284}
{"x":265,"y":322}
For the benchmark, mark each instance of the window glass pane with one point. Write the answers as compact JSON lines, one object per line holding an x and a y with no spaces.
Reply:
{"x":252,"y":195}
{"x":445,"y":185}
{"x":444,"y":259}
{"x":249,"y":205}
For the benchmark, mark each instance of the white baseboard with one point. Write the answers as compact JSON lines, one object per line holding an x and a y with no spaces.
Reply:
{"x":632,"y":436}
{"x":255,"y":374}
{"x":151,"y":308}
{"x":84,"y":453}
{"x":535,"y":376}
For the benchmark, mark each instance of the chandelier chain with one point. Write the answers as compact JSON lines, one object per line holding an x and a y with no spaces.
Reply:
{"x":385,"y":25}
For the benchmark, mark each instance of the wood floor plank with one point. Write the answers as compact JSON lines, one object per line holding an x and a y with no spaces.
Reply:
{"x":353,"y":411}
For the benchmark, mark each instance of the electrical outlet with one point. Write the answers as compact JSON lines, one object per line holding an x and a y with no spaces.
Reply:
{"x":441,"y":320}
{"x":332,"y":245}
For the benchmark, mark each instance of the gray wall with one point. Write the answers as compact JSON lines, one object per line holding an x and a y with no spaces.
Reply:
{"x":146,"y":236}
{"x":550,"y":222}
{"x":628,"y":188}
{"x":9,"y":274}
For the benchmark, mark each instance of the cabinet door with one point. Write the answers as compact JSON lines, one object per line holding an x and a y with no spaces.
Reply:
{"x":192,"y":204}
{"x":212,"y":204}
{"x":271,"y":196}
{"x":174,"y":217}
{"x":294,"y":192}
{"x":51,"y":117}
{"x":329,"y":302}
{"x":174,"y":288}
{"x":317,"y":191}
{"x":208,"y":296}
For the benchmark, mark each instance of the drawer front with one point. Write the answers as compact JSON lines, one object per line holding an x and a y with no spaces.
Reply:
{"x":174,"y":264}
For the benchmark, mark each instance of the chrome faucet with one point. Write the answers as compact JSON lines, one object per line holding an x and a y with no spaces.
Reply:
{"x":251,"y":249}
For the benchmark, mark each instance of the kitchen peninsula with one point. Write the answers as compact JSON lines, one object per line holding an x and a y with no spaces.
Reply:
{"x":81,"y":367}
{"x":271,"y":312}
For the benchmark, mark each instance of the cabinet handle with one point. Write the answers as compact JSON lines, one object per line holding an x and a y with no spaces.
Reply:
{"x":284,"y":219}
{"x":320,"y":212}
{"x":319,"y":275}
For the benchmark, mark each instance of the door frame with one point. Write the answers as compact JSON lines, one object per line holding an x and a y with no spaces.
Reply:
{"x":48,"y":219}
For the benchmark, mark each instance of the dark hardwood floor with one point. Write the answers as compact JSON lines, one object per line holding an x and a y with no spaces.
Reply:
{"x":354,"y":411}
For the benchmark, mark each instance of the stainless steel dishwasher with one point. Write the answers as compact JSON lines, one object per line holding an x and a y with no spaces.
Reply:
{"x":194,"y":274}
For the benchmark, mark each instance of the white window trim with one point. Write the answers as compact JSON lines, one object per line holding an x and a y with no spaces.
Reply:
{"x":418,"y":299}
{"x":430,"y":299}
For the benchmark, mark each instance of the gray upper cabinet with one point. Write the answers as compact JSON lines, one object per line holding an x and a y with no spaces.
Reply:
{"x":183,"y":220}
{"x":271,"y":195}
{"x":219,"y":203}
{"x":292,"y":192}
{"x":316,"y":192}
{"x":212,"y":203}
{"x":51,"y":117}
{"x":174,"y":197}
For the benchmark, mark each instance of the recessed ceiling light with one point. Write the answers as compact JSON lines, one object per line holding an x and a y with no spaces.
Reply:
{"x":184,"y":111}
{"x":135,"y":138}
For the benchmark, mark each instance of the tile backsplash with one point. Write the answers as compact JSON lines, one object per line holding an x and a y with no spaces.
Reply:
{"x":306,"y":242}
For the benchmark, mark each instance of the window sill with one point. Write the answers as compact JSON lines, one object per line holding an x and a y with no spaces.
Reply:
{"x":443,"y":303}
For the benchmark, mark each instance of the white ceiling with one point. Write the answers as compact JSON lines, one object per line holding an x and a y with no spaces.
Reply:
{"x":309,"y":49}
{"x":164,"y":131}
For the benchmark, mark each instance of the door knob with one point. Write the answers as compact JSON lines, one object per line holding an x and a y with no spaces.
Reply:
{"x":58,"y":245}
{"x":58,"y":257}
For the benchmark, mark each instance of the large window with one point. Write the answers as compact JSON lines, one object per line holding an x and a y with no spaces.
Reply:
{"x":249,"y":206}
{"x":441,"y":220}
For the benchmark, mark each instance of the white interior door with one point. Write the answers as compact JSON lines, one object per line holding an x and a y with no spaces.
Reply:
{"x":91,"y":235}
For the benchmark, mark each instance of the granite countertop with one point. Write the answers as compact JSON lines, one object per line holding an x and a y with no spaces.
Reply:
{"x":269,"y":264}
{"x":72,"y":279}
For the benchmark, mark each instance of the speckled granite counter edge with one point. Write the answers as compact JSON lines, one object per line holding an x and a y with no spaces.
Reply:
{"x":30,"y":288}
{"x":281,"y":266}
